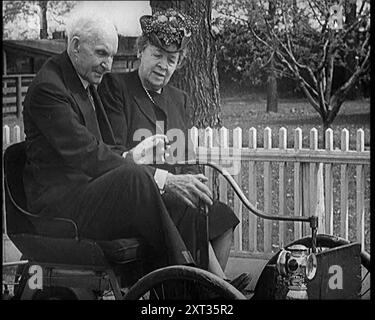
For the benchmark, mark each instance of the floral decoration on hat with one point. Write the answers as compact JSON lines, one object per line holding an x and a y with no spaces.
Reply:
{"x":168,"y":28}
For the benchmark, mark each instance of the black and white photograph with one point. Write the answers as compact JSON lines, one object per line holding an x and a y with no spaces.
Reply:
{"x":204,"y":153}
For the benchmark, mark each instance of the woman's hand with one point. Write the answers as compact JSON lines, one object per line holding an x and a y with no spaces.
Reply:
{"x":189,"y":188}
{"x":150,"y":150}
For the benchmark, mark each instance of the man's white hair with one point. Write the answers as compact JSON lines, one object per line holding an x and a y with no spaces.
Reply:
{"x":85,"y":23}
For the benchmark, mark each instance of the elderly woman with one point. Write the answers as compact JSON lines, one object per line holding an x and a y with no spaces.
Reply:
{"x":142,"y":102}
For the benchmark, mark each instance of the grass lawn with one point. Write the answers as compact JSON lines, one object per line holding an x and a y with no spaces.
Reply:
{"x":246,"y":112}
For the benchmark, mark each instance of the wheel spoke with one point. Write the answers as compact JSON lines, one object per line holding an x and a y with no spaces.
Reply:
{"x":362,"y":294}
{"x":145,"y":296}
{"x":367,"y":273}
{"x":156,"y":294}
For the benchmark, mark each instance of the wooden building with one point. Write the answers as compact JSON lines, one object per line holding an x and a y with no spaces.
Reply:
{"x":28,"y":56}
{"x":22,"y":59}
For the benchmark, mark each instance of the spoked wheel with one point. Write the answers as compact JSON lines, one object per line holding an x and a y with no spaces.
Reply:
{"x":182,"y":283}
{"x":325,"y":242}
{"x":265,"y":288}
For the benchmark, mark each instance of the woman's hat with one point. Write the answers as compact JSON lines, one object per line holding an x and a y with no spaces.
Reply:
{"x":166,"y":28}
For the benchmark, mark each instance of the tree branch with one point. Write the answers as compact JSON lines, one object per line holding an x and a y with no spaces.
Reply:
{"x":353,"y":26}
{"x":362,"y":7}
{"x":339,"y":96}
{"x":329,"y":77}
{"x":304,"y":85}
{"x":287,"y":34}
{"x":295,"y":62}
{"x":259,"y":38}
{"x":264,"y":65}
{"x":366,"y":42}
{"x":321,"y":89}
{"x":297,"y":74}
{"x":312,"y":101}
{"x":325,"y":51}
{"x":315,"y":15}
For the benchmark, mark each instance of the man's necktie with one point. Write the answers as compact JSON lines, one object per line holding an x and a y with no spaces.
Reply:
{"x":90,"y":96}
{"x":104,"y":125}
{"x":94,"y":125}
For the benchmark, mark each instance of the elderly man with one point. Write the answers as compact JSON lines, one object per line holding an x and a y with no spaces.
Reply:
{"x":74,"y":170}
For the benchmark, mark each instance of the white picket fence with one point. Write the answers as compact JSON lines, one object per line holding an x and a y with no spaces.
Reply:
{"x":294,"y":181}
{"x":284,"y":180}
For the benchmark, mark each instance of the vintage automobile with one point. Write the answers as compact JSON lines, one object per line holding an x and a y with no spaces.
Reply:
{"x":70,"y":267}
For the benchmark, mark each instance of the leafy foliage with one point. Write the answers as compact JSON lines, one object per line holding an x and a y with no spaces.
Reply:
{"x":239,"y":56}
{"x":21,"y":18}
{"x":310,"y":42}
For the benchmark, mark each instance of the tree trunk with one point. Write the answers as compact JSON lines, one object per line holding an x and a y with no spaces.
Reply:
{"x":272,"y":89}
{"x":198,"y":77}
{"x":43,"y":19}
{"x":271,"y":81}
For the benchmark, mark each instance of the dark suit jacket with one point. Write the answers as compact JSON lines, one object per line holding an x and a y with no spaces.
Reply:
{"x":64,"y":148}
{"x":129,"y":108}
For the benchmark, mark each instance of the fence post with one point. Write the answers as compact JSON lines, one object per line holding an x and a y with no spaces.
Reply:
{"x":328,"y":185}
{"x":282,"y":188}
{"x":297,"y":184}
{"x":16,"y":134}
{"x":6,"y":142}
{"x":6,"y":136}
{"x":360,"y":192}
{"x":237,"y":204}
{"x":19,"y":96}
{"x":316,"y":185}
{"x":208,"y":144}
{"x":267,"y":236}
{"x":320,"y":208}
{"x":223,"y":188}
{"x":194,"y":138}
{"x":344,"y":224}
{"x":253,"y":219}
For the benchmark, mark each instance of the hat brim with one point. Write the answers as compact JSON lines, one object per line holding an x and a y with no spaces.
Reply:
{"x":154,"y":40}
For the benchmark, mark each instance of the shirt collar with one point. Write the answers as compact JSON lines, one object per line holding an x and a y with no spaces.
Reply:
{"x":85,"y":83}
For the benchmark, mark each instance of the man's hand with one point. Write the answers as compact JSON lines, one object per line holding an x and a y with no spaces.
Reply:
{"x":143,"y":153}
{"x":189,"y":188}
